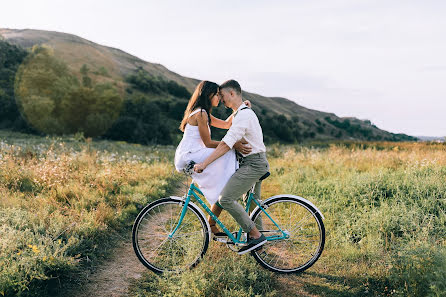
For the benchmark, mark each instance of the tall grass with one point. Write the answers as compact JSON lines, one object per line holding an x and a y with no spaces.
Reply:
{"x":385,"y":211}
{"x":384,"y":205}
{"x":61,"y":200}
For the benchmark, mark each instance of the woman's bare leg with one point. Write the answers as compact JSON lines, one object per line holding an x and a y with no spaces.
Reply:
{"x":217,"y":211}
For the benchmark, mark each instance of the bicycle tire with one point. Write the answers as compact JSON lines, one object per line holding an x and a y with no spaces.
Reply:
{"x":293,"y":249}
{"x":171,"y":255}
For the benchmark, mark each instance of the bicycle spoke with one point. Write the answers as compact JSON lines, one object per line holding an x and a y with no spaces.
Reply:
{"x":152,"y":234}
{"x":171,"y":222}
{"x":159,"y":214}
{"x":184,"y":224}
{"x":176,"y":222}
{"x":296,"y":252}
{"x":188,"y":234}
{"x":164,"y":241}
{"x":298,"y":225}
{"x":154,"y":220}
{"x":181,"y":251}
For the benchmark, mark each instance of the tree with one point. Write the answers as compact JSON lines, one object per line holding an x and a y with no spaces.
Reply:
{"x":11,"y":57}
{"x":54,"y":102}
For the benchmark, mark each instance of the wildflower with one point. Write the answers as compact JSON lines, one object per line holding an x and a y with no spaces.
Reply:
{"x":34,"y":248}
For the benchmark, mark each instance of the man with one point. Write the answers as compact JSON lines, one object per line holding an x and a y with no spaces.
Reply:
{"x":245,"y":124}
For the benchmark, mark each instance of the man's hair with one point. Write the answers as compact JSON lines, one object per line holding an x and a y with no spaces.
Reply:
{"x":231,"y":84}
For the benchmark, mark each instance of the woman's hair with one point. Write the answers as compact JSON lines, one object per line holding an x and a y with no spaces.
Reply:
{"x":201,"y":98}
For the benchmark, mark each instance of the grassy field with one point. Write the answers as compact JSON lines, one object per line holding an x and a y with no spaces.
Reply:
{"x":384,"y":204}
{"x":62,"y":200}
{"x":385,"y":215}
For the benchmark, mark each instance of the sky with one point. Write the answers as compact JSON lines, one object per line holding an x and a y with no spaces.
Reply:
{"x":384,"y":61}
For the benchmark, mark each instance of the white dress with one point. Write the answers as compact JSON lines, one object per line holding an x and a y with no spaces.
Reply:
{"x":214,"y":178}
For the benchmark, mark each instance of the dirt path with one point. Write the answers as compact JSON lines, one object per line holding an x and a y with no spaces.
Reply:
{"x":113,"y":277}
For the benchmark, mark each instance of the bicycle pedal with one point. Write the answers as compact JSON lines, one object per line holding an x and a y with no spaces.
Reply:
{"x":221,"y":239}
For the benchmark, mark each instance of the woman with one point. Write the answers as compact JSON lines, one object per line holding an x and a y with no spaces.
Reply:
{"x":197,"y":145}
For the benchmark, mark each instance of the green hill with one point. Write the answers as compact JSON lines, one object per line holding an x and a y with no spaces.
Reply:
{"x":158,"y":89}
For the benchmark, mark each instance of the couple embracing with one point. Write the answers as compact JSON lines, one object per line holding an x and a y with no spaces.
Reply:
{"x":221,"y":179}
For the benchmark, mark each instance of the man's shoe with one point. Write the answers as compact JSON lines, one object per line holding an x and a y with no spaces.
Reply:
{"x":253,"y":244}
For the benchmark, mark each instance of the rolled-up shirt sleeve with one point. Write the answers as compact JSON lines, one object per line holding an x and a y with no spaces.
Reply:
{"x":237,"y":130}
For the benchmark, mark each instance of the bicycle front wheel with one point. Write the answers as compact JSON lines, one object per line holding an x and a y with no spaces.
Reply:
{"x":151,"y":241}
{"x":305,"y":232}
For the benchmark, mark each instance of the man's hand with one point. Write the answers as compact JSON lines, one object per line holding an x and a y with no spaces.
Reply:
{"x":242,"y":147}
{"x":248,"y":103}
{"x":198,"y":168}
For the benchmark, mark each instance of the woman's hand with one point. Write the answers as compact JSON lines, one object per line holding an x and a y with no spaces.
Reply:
{"x":242,"y":147}
{"x":248,"y":103}
{"x":198,"y":168}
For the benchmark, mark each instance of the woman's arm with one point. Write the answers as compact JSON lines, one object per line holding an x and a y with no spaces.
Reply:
{"x":218,"y":123}
{"x":202,"y":120}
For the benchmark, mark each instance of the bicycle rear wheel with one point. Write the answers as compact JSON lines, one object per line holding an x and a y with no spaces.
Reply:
{"x":305,"y":230}
{"x":156,"y":250}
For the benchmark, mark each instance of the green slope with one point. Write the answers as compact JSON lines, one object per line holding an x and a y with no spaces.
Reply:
{"x":308,"y":123}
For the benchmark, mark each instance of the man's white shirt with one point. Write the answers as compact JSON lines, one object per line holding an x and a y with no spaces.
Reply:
{"x":245,"y":124}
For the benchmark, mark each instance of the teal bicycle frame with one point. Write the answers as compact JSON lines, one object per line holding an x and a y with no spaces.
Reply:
{"x":236,"y":240}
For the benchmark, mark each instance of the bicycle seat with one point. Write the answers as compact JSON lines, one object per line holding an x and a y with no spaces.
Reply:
{"x":265,"y":176}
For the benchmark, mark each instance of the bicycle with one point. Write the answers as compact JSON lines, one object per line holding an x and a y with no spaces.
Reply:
{"x":172,"y":234}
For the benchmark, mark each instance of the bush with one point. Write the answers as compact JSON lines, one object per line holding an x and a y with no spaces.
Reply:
{"x":53,"y":101}
{"x":419,"y":271}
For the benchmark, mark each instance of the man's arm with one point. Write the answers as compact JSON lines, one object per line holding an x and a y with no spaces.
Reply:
{"x":234,"y":134}
{"x":242,"y":146}
{"x":221,"y":149}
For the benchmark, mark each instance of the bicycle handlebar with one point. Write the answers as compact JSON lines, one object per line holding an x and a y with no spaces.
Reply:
{"x":189,"y":169}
